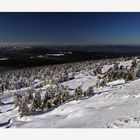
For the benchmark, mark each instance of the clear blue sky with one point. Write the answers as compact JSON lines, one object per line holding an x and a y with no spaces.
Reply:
{"x":73,"y":28}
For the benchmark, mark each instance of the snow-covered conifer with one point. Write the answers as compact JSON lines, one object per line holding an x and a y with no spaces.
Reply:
{"x":78,"y":92}
{"x":36,"y":102}
{"x":89,"y":91}
{"x":45,"y":100}
{"x":64,"y":96}
{"x":134,"y":63}
{"x":23,"y":107}
{"x":116,"y":66}
{"x":17,"y":99}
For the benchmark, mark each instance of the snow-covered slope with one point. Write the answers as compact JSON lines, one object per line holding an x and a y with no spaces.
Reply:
{"x":116,"y":105}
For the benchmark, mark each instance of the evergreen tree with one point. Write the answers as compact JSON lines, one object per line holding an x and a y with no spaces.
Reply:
{"x":78,"y":92}
{"x":129,"y":76}
{"x":23,"y":107}
{"x":45,"y":100}
{"x":134,"y":63}
{"x":56,"y":101}
{"x":36,"y":102}
{"x":30,"y":96}
{"x":116,"y":66}
{"x":64,"y":96}
{"x":49,"y":104}
{"x":17,"y":100}
{"x":89,"y":91}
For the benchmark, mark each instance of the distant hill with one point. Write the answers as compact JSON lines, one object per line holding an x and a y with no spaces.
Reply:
{"x":21,"y":55}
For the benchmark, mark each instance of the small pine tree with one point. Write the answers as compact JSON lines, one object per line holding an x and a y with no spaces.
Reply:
{"x":116,"y":66}
{"x":17,"y":100}
{"x":36,"y":102}
{"x":78,"y":92}
{"x":103,"y":82}
{"x":49,"y":104}
{"x":64,"y":96}
{"x":134,"y":63}
{"x":137,"y":72}
{"x":129,"y":75}
{"x":45,"y":100}
{"x":23,"y":107}
{"x":56,"y":101}
{"x":30,"y":96}
{"x":94,"y":72}
{"x":89,"y":91}
{"x":99,"y":70}
{"x":111,"y":76}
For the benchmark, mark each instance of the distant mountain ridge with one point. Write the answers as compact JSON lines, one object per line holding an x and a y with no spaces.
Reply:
{"x":30,"y":55}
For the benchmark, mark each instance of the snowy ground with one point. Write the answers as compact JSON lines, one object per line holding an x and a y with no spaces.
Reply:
{"x":116,"y":105}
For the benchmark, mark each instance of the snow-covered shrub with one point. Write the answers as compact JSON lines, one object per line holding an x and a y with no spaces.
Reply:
{"x":103,"y":82}
{"x":63,"y":77}
{"x":50,"y":92}
{"x":97,"y":85}
{"x":136,"y":71}
{"x":97,"y":70}
{"x":55,"y":79}
{"x":94,"y":72}
{"x":54,"y":98}
{"x":29,"y":95}
{"x":78,"y":92}
{"x":56,"y":101}
{"x":116,"y":66}
{"x":45,"y":100}
{"x":49,"y":104}
{"x":24,"y":110}
{"x":64,"y":96}
{"x":134,"y":63}
{"x":129,"y":76}
{"x":89,"y":91}
{"x":36,"y":102}
{"x":121,"y":67}
{"x":17,"y":100}
{"x":2,"y":87}
{"x":120,"y":73}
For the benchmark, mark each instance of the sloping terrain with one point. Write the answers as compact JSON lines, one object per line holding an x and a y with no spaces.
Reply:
{"x":116,"y":105}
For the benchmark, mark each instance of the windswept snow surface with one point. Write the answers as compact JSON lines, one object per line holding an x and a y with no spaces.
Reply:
{"x":116,"y":105}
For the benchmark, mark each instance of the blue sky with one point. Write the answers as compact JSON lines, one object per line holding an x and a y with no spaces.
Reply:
{"x":70,"y":28}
